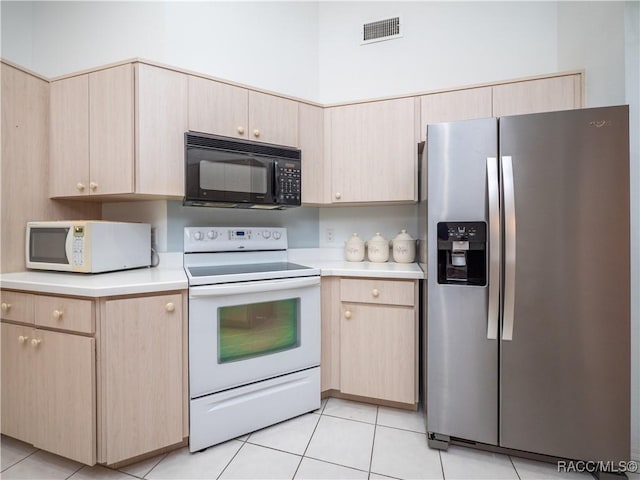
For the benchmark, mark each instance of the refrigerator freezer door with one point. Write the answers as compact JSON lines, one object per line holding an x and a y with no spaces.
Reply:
{"x":462,"y":374}
{"x":565,"y":372}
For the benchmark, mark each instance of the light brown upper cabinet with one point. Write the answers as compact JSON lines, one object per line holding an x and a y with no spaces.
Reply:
{"x":223,"y":109}
{"x":316,"y":176}
{"x":373,"y":153}
{"x":452,"y":106}
{"x":118,"y":131}
{"x":534,"y":96}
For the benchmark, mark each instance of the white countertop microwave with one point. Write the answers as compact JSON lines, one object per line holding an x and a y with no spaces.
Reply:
{"x":87,"y":246}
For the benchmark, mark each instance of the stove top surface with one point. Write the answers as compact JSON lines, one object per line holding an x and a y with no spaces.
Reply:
{"x":215,"y":270}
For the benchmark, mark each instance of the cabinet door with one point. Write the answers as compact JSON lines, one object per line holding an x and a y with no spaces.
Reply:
{"x":17,"y":375}
{"x":64,"y":400}
{"x":377,"y":352}
{"x":218,"y":108}
{"x":111,"y":130}
{"x":142,"y":375}
{"x":161,"y":122}
{"x":534,"y":96}
{"x":330,"y":341}
{"x":273,"y":119}
{"x":316,"y":174}
{"x":69,"y":137}
{"x":373,"y":152}
{"x":453,"y":106}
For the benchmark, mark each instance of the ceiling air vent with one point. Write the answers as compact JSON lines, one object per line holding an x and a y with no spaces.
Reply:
{"x":381,"y":30}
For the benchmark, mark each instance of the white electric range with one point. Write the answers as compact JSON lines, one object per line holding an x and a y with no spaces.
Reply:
{"x":254,"y":332}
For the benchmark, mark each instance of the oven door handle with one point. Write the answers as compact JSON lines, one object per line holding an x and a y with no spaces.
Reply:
{"x":252,"y":287}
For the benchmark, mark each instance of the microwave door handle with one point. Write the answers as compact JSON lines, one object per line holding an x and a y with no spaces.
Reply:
{"x":275,"y":189}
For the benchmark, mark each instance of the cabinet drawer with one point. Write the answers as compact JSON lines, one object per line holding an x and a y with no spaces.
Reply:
{"x":387,"y":292}
{"x":17,"y":307}
{"x":65,"y":313}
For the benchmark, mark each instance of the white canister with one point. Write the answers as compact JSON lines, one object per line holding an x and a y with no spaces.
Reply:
{"x":354,"y":249}
{"x":378,"y":249}
{"x":404,"y":248}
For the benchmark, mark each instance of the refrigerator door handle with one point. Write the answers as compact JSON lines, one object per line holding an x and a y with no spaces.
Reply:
{"x":494,"y":248}
{"x":509,"y":248}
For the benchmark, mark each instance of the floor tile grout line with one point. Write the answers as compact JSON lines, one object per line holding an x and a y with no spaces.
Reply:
{"x":373,"y":441}
{"x":514,"y":466}
{"x":441,"y":464}
{"x":76,"y":471}
{"x":19,"y":461}
{"x":309,"y":442}
{"x":232,"y":458}
{"x":334,"y":463}
{"x":153,"y":468}
{"x":350,"y":419}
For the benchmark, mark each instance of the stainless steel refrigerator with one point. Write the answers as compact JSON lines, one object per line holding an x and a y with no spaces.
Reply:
{"x":527,"y":308}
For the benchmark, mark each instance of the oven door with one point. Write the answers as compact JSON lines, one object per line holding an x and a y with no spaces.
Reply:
{"x":249,"y":331}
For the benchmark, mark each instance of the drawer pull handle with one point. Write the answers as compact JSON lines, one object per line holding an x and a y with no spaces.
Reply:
{"x":256,"y":133}
{"x":6,"y":307}
{"x":93,"y":185}
{"x":80,"y":186}
{"x":338,"y":195}
{"x":241,"y":130}
{"x":347,"y":314}
{"x":35,"y":342}
{"x":23,"y":338}
{"x":375,"y":292}
{"x":57,"y":314}
{"x":170,"y":307}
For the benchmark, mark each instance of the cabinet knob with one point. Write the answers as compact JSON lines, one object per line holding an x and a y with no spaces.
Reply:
{"x":338,"y":195}
{"x":80,"y":186}
{"x":6,"y":307}
{"x":241,"y":130}
{"x":256,"y":133}
{"x":375,"y":292}
{"x":93,"y":185}
{"x":23,"y":338}
{"x":347,"y":314}
{"x":35,"y":342}
{"x":170,"y":307}
{"x":57,"y":314}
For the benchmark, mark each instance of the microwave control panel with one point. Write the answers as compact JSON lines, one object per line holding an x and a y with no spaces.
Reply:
{"x":288,"y":175}
{"x":77,"y":249}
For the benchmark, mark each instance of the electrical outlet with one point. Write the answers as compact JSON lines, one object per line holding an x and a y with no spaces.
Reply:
{"x":330,"y":234}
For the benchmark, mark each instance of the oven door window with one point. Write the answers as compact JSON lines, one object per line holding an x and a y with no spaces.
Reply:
{"x":252,"y":330}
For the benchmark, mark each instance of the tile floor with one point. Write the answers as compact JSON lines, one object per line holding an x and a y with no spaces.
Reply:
{"x":341,"y":440}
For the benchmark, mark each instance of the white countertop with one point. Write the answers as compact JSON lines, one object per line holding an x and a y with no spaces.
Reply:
{"x":331,"y":262}
{"x":170,"y":275}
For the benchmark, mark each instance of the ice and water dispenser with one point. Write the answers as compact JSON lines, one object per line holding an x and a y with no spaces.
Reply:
{"x":462,"y":253}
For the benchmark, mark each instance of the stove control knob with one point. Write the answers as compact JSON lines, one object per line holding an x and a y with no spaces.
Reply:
{"x":198,"y":235}
{"x":276,"y":235}
{"x":212,"y":234}
{"x":266,"y":234}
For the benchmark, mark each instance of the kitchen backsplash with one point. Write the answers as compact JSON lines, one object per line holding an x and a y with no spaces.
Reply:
{"x":308,"y":227}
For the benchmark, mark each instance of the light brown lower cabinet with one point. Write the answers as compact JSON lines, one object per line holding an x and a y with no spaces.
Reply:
{"x":141,"y":370}
{"x":369,"y":333}
{"x":64,"y":406}
{"x":113,"y":390}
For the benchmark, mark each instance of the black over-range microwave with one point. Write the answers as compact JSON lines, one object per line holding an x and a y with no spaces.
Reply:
{"x":228,"y":172}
